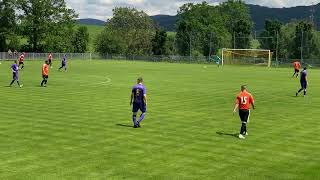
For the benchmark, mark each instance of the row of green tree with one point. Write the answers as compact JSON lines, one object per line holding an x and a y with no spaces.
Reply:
{"x":298,"y":39}
{"x":203,"y":29}
{"x":46,"y":25}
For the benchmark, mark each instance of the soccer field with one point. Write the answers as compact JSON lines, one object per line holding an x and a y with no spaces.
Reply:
{"x":79,"y":127}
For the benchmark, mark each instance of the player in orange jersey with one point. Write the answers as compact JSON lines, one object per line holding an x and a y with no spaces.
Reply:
{"x":21,"y":60}
{"x":45,"y":74}
{"x":296,"y":66}
{"x":244,"y":101}
{"x":50,"y":58}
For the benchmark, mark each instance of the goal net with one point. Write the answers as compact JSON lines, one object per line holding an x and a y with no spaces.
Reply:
{"x":247,"y":56}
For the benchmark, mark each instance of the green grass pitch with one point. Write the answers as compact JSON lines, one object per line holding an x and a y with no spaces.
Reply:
{"x":79,"y":127}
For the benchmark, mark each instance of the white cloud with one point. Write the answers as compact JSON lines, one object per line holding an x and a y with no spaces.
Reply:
{"x":102,"y":9}
{"x":283,"y":3}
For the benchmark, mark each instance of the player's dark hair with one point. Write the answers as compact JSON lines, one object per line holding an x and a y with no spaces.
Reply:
{"x":140,"y":80}
{"x":243,"y":87}
{"x":305,"y":68}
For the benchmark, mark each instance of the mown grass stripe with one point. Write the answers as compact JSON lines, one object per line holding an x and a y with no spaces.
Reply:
{"x":77,"y":128}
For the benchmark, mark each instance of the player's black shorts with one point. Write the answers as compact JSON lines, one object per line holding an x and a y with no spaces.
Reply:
{"x":296,"y":70}
{"x":244,"y":115}
{"x":139,"y":106}
{"x":45,"y":76}
{"x":50,"y":61}
{"x":21,"y":62}
{"x":303,"y":84}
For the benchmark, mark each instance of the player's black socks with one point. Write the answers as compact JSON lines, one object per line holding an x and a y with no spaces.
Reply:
{"x":134,"y":117}
{"x":242,"y":130}
{"x":42,"y":82}
{"x":305,"y":92}
{"x":12,"y":82}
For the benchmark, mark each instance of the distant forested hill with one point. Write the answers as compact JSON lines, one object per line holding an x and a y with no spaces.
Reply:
{"x":165,"y":21}
{"x":91,"y":22}
{"x":258,"y":13}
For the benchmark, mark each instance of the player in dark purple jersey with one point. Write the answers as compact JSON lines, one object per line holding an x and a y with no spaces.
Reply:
{"x":139,"y":101}
{"x":64,"y":63}
{"x":303,"y":82}
{"x":15,"y":74}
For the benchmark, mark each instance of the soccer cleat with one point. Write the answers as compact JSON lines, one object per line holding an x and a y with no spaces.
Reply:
{"x":246,"y":134}
{"x":138,"y":125}
{"x":21,"y":86}
{"x":241,"y":136}
{"x":135,"y":126}
{"x":296,"y":94}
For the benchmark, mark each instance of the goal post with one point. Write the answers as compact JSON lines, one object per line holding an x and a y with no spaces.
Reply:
{"x":246,"y":56}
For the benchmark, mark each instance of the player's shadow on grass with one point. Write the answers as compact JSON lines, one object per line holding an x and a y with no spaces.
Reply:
{"x":227,"y":134}
{"x":124,"y":125}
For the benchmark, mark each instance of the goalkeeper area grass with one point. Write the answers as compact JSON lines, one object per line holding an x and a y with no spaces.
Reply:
{"x":79,"y":127}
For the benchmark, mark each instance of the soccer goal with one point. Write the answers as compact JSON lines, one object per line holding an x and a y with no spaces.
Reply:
{"x":247,"y":56}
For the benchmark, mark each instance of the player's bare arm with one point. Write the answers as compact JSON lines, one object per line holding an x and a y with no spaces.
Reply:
{"x":131,"y":98}
{"x":235,"y":108}
{"x":307,"y":80}
{"x":145,"y":99}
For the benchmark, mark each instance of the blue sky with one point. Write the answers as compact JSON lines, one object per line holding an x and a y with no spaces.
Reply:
{"x":102,"y":9}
